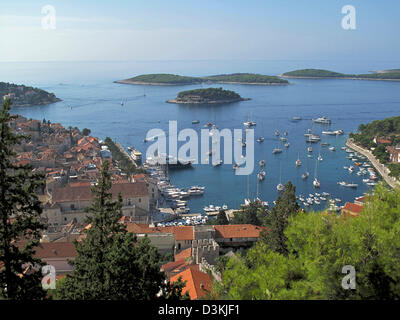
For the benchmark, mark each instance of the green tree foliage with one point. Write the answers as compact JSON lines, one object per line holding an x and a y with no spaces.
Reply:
{"x":86,"y":131}
{"x":20,"y":211}
{"x":221,"y":218}
{"x":24,"y":95}
{"x":381,"y":154}
{"x":246,"y":78}
{"x":319,"y":246}
{"x":172,"y":79}
{"x":389,"y":127}
{"x":251,"y":214}
{"x":165,"y":78}
{"x":213,"y":94}
{"x":277,"y":219}
{"x":111,"y":264}
{"x":314,"y":73}
{"x":319,"y":73}
{"x":394,"y":170}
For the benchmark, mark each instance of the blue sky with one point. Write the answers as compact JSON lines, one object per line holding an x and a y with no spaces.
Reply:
{"x":199,"y":30}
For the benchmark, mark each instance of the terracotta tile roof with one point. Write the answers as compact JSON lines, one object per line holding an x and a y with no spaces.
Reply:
{"x":127,"y":190}
{"x":55,"y":250}
{"x":183,"y":254}
{"x":140,"y":176}
{"x":198,"y":283}
{"x":353,"y":207}
{"x":181,"y":232}
{"x":237,"y":231}
{"x":174,"y":267}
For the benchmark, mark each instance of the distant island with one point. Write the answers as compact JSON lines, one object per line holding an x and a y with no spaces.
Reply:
{"x":207,"y":96}
{"x":23,"y":96}
{"x":389,"y":75}
{"x":234,"y":78}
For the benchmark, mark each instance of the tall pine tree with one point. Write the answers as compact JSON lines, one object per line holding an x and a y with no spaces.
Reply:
{"x":20,"y":226}
{"x":277,"y":219}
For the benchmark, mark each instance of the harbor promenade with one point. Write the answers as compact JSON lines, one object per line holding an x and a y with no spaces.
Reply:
{"x":382,"y":169}
{"x":121,"y":148}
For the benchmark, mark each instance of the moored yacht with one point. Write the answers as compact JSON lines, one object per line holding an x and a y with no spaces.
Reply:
{"x":322,"y":120}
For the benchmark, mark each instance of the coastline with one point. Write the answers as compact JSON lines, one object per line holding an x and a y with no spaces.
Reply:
{"x":208,"y":102}
{"x":339,"y":78}
{"x":383,"y":171}
{"x":154,"y":83}
{"x":202,"y":82}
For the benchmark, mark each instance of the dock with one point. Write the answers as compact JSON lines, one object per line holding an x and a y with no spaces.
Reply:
{"x":229,"y":213}
{"x":125,"y":153}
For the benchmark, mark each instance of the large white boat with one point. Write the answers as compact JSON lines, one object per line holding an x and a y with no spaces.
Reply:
{"x":316,"y":183}
{"x":333,"y":133}
{"x":349,"y":185}
{"x":313,"y":138}
{"x":322,"y":120}
{"x":136,"y":156}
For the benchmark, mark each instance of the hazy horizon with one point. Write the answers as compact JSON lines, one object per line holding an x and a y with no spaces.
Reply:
{"x":179,"y":30}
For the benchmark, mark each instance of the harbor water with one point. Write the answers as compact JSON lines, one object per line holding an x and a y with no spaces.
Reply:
{"x":90,"y":99}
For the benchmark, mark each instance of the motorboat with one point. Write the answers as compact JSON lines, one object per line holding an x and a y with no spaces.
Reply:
{"x":322,"y":120}
{"x":280,"y":187}
{"x":316,"y":183}
{"x":218,"y":163}
{"x":287,"y":144}
{"x":262,"y":163}
{"x":260,"y":139}
{"x":277,"y":133}
{"x":276,"y":150}
{"x":332,"y":149}
{"x":261,"y":175}
{"x":195,"y":121}
{"x":305,"y":175}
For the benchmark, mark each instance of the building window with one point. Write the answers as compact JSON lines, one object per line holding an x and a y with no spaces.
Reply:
{"x":72,"y":206}
{"x":179,"y":246}
{"x":140,"y":200}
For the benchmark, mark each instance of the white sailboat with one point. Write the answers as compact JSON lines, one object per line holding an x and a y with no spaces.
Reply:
{"x":305,"y":174}
{"x":298,"y":161}
{"x":319,"y":156}
{"x":316,"y":182}
{"x":261,"y":175}
{"x":280,"y":186}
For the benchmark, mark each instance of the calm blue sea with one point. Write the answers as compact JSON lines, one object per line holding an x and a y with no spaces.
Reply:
{"x":88,"y":88}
